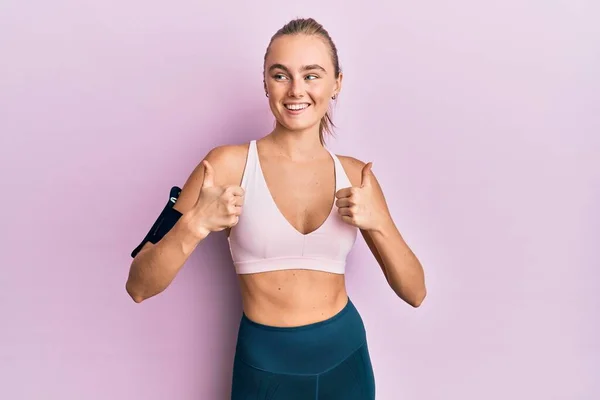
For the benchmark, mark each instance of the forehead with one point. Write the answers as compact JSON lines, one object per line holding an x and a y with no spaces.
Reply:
{"x":295,"y":51}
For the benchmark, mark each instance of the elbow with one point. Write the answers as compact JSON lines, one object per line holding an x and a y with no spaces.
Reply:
{"x":414,"y":298}
{"x":417,"y":298}
{"x":135,"y":296}
{"x":137,"y":299}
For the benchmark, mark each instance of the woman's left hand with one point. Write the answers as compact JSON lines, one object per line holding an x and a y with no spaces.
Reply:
{"x":364,"y":206}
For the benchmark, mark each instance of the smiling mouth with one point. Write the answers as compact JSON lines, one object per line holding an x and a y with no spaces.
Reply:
{"x":296,"y":107}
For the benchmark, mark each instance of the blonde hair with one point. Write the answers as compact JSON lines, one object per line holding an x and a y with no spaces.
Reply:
{"x":308,"y":26}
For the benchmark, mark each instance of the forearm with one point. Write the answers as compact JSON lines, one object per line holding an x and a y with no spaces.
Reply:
{"x":153,"y":269}
{"x":402,"y":269}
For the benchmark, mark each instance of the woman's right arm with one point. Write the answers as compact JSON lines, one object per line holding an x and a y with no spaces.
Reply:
{"x":205,"y":206}
{"x":156,"y":265}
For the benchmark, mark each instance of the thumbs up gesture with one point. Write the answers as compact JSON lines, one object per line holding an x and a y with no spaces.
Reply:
{"x":217,"y":207}
{"x":363,"y":206}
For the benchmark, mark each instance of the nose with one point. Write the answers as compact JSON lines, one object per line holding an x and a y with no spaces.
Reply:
{"x":296,"y":88}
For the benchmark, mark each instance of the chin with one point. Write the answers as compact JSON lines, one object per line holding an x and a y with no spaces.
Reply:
{"x":299,"y":125}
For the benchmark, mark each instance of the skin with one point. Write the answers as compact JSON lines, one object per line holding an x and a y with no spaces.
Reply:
{"x":300,"y":177}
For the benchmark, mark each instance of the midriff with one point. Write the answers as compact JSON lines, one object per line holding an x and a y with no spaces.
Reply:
{"x":287,"y":298}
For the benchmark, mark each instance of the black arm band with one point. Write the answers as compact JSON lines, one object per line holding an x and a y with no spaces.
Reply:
{"x":163,"y":224}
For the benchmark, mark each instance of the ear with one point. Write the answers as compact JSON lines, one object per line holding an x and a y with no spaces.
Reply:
{"x":337,"y":87}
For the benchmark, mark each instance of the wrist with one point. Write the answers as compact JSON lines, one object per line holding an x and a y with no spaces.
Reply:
{"x":193,"y":226}
{"x":385,"y":228}
{"x":181,"y":239}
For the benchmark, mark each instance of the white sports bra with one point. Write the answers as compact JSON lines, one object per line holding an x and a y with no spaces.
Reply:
{"x":263,"y":240}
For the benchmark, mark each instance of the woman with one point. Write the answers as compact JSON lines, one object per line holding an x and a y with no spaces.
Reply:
{"x":292,"y":211}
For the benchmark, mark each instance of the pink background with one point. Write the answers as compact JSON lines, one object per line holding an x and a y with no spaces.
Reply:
{"x":482,"y":121}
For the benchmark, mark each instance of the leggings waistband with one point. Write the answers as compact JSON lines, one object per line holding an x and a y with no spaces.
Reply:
{"x":306,"y":349}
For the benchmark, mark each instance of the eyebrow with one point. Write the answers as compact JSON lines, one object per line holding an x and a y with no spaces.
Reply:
{"x":303,"y":68}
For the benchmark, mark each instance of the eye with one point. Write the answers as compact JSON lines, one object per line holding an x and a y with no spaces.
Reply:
{"x":279,"y":77}
{"x":312,"y":77}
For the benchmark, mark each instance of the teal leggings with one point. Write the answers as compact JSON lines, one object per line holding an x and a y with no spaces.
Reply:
{"x":327,"y":360}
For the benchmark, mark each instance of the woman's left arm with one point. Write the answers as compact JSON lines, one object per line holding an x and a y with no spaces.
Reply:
{"x":363,"y":205}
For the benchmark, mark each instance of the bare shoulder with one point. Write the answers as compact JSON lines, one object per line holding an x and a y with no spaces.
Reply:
{"x":228,"y":162}
{"x":353,"y":168}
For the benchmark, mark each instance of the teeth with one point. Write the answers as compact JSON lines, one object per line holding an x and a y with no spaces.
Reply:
{"x":296,"y":106}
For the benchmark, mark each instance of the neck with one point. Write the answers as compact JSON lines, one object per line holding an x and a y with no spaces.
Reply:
{"x":297,"y":145}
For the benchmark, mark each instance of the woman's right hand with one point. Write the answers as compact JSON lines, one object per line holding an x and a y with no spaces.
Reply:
{"x":217,"y":207}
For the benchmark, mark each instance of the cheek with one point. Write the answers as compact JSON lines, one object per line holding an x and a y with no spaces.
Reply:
{"x":272,"y":88}
{"x":321,"y":98}
{"x":320,"y":93}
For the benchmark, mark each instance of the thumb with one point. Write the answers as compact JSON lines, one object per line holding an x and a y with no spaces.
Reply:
{"x":366,"y":175}
{"x":209,"y":175}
